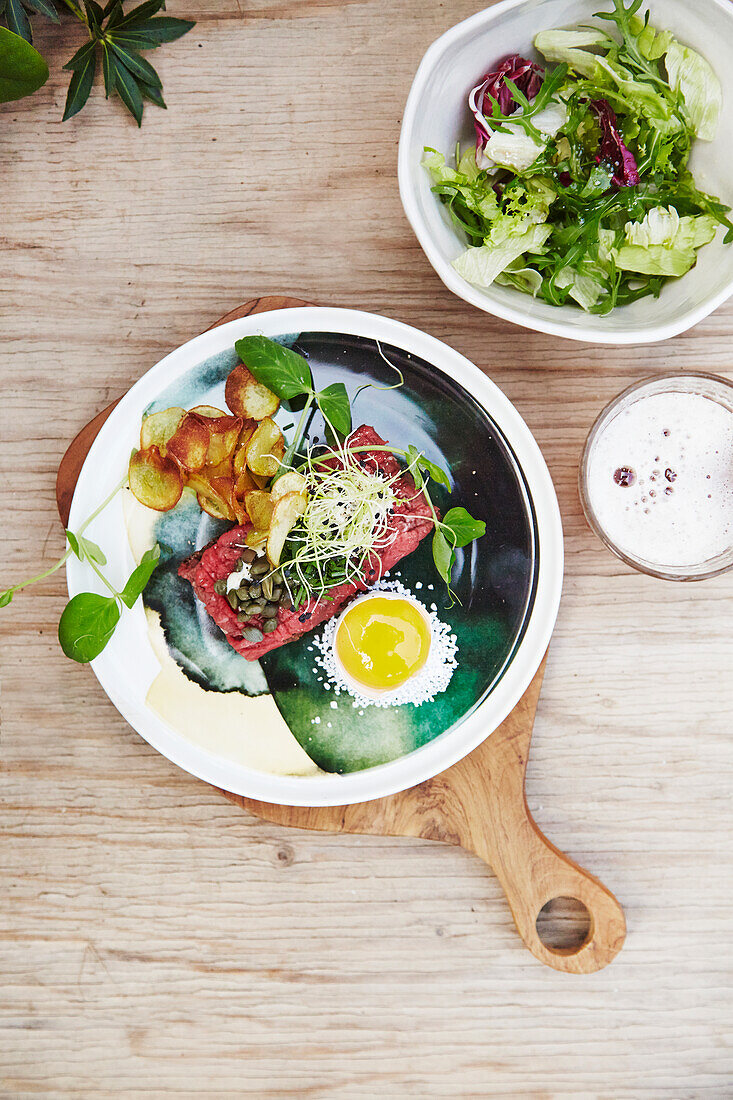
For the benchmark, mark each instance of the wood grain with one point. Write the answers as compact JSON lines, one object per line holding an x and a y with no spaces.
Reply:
{"x":156,"y":940}
{"x":479,"y":804}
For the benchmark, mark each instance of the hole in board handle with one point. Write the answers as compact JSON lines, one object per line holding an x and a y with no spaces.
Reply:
{"x":564,"y":925}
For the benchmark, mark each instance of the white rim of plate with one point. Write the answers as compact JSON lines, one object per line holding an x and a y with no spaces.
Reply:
{"x":99,"y":475}
{"x":450,"y":278}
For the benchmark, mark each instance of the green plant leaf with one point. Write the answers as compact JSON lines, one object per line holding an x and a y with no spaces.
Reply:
{"x":80,"y":86}
{"x":283,"y":371}
{"x":437,"y":473}
{"x":140,"y":576}
{"x":128,"y":90}
{"x":44,"y":7}
{"x":80,"y":58}
{"x":463,"y":526}
{"x":108,"y":70}
{"x":87,"y":624}
{"x":6,"y":597}
{"x":138,"y":66}
{"x":92,"y":551}
{"x":95,"y":15}
{"x":73,"y":543}
{"x":17,"y":20}
{"x":22,"y":69}
{"x":164,"y":28}
{"x":133,"y":40}
{"x":141,"y":13}
{"x":413,"y":460}
{"x":443,"y":555}
{"x":334,"y":403}
{"x":153,"y":94}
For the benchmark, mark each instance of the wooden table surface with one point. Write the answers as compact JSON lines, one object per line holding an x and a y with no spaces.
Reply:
{"x":155,"y":939}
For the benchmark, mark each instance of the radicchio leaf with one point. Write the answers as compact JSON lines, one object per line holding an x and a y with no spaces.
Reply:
{"x":612,"y":149}
{"x":526,"y":75}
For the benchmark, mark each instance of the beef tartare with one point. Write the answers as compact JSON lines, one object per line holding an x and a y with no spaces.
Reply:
{"x":208,"y":570}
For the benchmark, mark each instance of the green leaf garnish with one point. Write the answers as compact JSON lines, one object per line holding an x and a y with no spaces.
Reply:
{"x":140,"y":576}
{"x":87,"y":623}
{"x":334,"y":403}
{"x":443,"y":555}
{"x":283,"y":371}
{"x":462,"y":526}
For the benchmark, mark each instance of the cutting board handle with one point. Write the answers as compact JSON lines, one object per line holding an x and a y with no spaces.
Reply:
{"x":532,"y":871}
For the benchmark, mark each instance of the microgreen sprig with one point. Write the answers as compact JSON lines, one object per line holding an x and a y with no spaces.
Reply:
{"x":288,"y":375}
{"x":89,"y":619}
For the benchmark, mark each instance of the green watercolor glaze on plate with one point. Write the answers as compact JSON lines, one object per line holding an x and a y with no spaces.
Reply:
{"x":494,"y":579}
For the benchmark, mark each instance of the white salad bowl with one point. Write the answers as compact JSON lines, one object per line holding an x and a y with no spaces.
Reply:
{"x":128,"y":665}
{"x":436,"y":115}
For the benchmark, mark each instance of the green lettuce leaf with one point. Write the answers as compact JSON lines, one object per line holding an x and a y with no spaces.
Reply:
{"x":652,"y":43}
{"x":574,"y":48}
{"x":663,"y":243}
{"x":518,"y":275}
{"x":481,"y":265}
{"x":692,"y":76}
{"x":583,"y":288}
{"x":512,"y":147}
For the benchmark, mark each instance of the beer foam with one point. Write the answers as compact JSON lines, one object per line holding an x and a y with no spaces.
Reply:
{"x":660,"y":479}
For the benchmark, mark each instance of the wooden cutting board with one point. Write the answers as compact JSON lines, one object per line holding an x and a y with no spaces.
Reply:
{"x":478,"y":804}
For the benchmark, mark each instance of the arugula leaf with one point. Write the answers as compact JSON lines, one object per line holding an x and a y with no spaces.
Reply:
{"x":463,"y":526}
{"x":87,"y":623}
{"x":140,"y":576}
{"x":334,"y":403}
{"x":283,"y":371}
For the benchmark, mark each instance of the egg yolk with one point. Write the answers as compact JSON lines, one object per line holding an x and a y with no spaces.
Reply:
{"x":381,"y":643}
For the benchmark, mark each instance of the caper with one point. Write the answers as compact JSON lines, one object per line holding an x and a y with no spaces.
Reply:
{"x":276,"y":576}
{"x":254,"y":607}
{"x":259,"y":569}
{"x":254,"y":590}
{"x":252,"y":634}
{"x":248,"y":556}
{"x":267,"y":587}
{"x":269,"y":625}
{"x":233,"y":600}
{"x":243,"y":617}
{"x":270,"y":611}
{"x":220,"y":587}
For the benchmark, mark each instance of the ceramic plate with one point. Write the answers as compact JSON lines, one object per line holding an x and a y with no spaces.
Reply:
{"x":508,"y":584}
